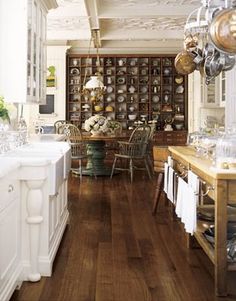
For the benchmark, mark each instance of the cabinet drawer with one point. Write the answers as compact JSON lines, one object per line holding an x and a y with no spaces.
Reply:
{"x":9,"y":190}
{"x":170,"y":138}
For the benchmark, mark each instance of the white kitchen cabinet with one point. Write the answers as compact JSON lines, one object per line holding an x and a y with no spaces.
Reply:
{"x":10,"y":244}
{"x":23,"y":50}
{"x":222,"y":89}
{"x":33,"y":211}
{"x":213,"y":95}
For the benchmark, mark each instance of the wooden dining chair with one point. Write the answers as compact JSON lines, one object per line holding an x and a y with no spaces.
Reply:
{"x":134,"y":150}
{"x":58,"y":124}
{"x":150,"y":146}
{"x":78,"y":147}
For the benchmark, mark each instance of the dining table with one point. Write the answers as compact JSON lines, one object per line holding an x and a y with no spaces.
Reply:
{"x":96,"y":149}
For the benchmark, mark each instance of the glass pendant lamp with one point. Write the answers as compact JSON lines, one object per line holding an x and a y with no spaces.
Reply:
{"x":94,"y":87}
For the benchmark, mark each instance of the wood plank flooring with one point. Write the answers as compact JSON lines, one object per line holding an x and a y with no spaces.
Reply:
{"x":114,"y":250}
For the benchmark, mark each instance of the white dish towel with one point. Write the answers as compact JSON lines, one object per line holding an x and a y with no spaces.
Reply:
{"x":193,"y":181}
{"x":189,"y":213}
{"x":186,"y":207}
{"x":170,"y":187}
{"x":166,"y":169}
{"x":180,"y":194}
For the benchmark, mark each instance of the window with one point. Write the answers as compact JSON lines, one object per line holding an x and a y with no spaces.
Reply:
{"x":48,"y":108}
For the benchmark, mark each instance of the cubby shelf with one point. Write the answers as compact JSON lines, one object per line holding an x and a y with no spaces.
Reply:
{"x":139,"y":87}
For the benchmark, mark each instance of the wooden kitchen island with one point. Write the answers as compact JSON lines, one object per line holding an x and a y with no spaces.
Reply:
{"x":221,"y":185}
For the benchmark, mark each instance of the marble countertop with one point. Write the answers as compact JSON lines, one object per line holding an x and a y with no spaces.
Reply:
{"x":8,"y":165}
{"x":46,"y":138}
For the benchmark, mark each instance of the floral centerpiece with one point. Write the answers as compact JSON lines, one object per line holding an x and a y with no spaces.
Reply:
{"x":96,"y":124}
{"x":4,"y":112}
{"x":8,"y":113}
{"x":114,"y":127}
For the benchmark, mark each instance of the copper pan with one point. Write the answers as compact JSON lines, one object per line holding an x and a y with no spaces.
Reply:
{"x":184,"y":62}
{"x":223,"y":31}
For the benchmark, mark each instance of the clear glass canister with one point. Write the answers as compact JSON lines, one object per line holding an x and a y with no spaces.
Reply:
{"x":226,"y":151}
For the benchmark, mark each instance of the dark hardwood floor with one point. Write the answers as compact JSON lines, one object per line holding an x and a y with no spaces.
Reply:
{"x":114,"y":250}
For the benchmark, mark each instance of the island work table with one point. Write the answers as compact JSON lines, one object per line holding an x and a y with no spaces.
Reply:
{"x":221,"y":185}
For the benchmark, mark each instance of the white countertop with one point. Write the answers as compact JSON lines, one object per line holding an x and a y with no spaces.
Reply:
{"x":46,"y":138}
{"x":7,"y":165}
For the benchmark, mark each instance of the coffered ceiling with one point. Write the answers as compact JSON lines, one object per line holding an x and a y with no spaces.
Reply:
{"x":125,"y":25}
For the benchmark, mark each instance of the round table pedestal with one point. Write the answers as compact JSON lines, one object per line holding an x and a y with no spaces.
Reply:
{"x":97,"y":151}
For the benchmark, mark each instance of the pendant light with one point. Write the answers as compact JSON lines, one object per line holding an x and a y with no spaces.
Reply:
{"x":94,"y":87}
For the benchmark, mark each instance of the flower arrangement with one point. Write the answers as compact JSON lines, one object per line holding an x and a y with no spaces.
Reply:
{"x":114,"y":126}
{"x":4,"y":112}
{"x":96,"y":123}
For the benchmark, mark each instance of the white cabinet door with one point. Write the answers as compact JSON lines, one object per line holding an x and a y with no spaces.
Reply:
{"x":10,"y":265}
{"x":213,"y":95}
{"x":36,"y":65}
{"x":209,"y":94}
{"x":222,"y":89}
{"x":23,"y":50}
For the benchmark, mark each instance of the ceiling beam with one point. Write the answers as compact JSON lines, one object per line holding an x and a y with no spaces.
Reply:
{"x":145,"y":11}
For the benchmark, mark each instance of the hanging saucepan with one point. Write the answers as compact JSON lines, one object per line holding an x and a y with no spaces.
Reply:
{"x":198,"y":57}
{"x":229,"y":62}
{"x":208,"y":50}
{"x":213,"y":65}
{"x":207,"y":53}
{"x":223,"y":30}
{"x":184,"y":63}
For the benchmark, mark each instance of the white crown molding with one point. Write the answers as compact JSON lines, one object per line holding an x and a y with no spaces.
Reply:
{"x":128,"y":22}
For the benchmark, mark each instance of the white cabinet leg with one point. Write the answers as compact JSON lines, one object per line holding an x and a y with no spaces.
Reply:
{"x":34,"y":219}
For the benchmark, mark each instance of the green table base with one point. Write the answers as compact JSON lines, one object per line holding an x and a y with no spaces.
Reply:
{"x":97,"y":154}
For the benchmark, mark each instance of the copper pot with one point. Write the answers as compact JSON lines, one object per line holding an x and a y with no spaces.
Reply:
{"x":184,"y":62}
{"x":223,"y":30}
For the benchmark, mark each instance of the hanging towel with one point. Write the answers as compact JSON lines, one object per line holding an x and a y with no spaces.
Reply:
{"x":186,"y":206}
{"x":175,"y":187}
{"x":179,"y":199}
{"x":170,"y":187}
{"x":189,"y":214}
{"x":193,"y":182}
{"x":170,"y":161}
{"x":166,"y":168}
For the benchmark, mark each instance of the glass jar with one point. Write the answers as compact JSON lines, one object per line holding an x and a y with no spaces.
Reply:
{"x":226,"y":152}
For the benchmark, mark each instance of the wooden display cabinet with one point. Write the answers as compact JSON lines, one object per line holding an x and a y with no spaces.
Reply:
{"x":139,"y":88}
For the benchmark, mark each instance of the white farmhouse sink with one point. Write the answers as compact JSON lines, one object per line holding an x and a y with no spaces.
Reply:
{"x":51,"y":148}
{"x":47,"y":138}
{"x":55,"y":167}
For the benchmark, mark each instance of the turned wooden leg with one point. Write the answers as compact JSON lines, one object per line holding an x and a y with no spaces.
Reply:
{"x":34,"y":220}
{"x":159,"y":187}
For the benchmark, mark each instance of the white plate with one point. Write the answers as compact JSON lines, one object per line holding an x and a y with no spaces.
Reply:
{"x":74,"y":71}
{"x":120,"y":80}
{"x":155,"y":98}
{"x":120,"y":98}
{"x":109,"y":89}
{"x":144,"y":89}
{"x":179,"y":89}
{"x":132,"y":63}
